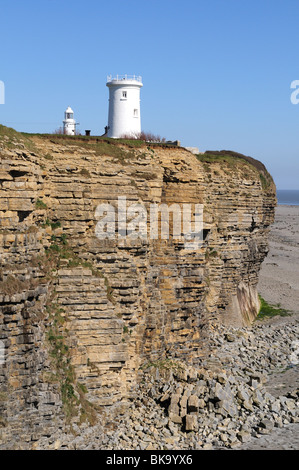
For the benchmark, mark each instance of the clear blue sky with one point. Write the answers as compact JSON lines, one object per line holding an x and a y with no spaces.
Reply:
{"x":216,"y":73}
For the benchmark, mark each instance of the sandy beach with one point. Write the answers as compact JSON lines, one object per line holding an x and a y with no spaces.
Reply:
{"x":279,"y":281}
{"x":279,"y":277}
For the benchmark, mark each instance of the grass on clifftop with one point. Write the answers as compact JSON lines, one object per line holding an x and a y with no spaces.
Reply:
{"x":100,"y":140}
{"x":123,"y":150}
{"x":229,"y":156}
{"x":13,"y":139}
{"x":269,"y":311}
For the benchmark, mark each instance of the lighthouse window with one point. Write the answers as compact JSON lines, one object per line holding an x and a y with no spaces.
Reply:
{"x":124,"y":94}
{"x":135,"y":112}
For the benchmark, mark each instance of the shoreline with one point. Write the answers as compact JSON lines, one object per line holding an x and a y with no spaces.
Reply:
{"x":278,"y":285}
{"x":278,"y":280}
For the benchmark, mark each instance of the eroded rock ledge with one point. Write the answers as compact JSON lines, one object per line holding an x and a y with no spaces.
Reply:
{"x":79,"y":315}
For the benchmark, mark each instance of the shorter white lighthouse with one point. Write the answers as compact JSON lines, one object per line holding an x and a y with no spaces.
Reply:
{"x":69,"y":123}
{"x":124,"y":106}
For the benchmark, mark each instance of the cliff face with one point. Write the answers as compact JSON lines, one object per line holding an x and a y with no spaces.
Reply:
{"x":79,"y":314}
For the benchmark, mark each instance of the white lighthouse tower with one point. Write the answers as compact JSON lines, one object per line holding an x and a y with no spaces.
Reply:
{"x":124,"y":105}
{"x":69,"y":123}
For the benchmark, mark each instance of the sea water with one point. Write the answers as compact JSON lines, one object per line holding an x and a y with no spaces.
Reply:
{"x":288,"y":197}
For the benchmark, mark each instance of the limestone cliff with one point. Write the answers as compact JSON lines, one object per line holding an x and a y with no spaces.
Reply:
{"x":80,"y":315}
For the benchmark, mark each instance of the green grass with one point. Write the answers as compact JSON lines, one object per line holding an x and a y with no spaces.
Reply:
{"x":269,"y":311}
{"x":72,"y":391}
{"x":53,"y":225}
{"x":40,"y":204}
{"x":60,"y":355}
{"x":212,"y":158}
{"x":13,"y":139}
{"x":61,"y":250}
{"x":161,"y":364}
{"x":264,"y":181}
{"x":235,"y":160}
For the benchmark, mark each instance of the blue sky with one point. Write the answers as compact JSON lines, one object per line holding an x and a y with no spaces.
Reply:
{"x":216,"y":73}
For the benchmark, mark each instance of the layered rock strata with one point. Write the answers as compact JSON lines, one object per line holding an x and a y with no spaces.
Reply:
{"x":80,"y":314}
